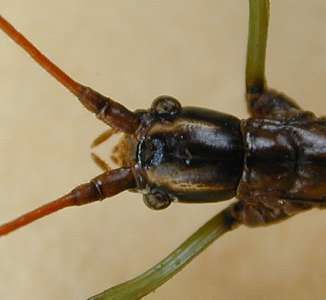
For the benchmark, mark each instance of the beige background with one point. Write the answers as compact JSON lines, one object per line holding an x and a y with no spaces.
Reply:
{"x":135,"y":51}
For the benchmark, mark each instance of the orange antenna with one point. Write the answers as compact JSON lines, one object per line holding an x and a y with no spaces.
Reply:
{"x":105,"y":185}
{"x":40,"y":58}
{"x":107,"y":110}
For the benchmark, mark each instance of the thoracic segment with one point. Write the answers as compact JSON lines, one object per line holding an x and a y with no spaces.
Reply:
{"x":284,"y":168}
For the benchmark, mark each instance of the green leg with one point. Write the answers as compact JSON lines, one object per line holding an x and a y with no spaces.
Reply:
{"x":153,"y":278}
{"x":256,"y":50}
{"x":262,"y":102}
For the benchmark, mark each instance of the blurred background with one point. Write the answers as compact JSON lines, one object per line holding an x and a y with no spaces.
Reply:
{"x":134,"y":51}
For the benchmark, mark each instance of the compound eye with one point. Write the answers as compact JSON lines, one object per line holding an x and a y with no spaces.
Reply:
{"x":156,"y":200}
{"x":166,"y":106}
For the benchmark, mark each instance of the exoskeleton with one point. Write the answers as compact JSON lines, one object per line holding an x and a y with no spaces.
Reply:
{"x":273,"y":163}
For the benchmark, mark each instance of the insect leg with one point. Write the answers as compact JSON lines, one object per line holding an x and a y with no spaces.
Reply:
{"x":256,"y":48}
{"x":105,"y":185}
{"x":106,"y":109}
{"x":156,"y":276}
{"x":261,"y":101}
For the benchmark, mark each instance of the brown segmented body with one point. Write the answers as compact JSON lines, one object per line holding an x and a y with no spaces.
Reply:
{"x":285,"y":159}
{"x":284,"y":164}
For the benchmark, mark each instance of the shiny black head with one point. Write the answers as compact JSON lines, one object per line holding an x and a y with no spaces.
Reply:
{"x":187,"y":154}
